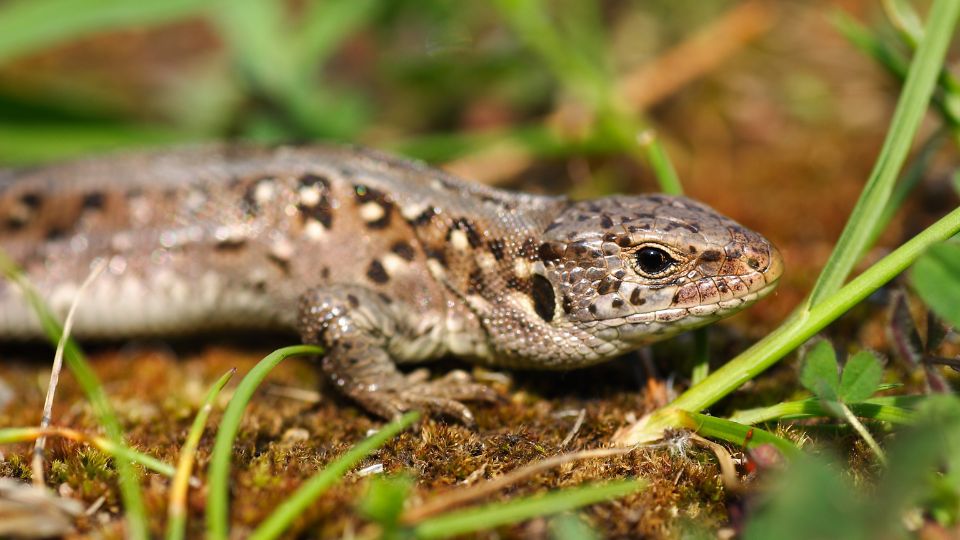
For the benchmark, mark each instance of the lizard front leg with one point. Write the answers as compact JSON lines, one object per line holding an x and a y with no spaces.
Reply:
{"x":356,"y":327}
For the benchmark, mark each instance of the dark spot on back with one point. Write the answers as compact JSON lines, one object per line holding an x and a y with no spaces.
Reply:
{"x":496,"y":248}
{"x":475,"y":283}
{"x":31,"y":200}
{"x":231,"y":244}
{"x":93,"y":201}
{"x":284,"y":264}
{"x":436,"y":254}
{"x":529,"y":249}
{"x":55,"y":233}
{"x":325,"y":273}
{"x":425,"y":217}
{"x":606,"y":222}
{"x":310,"y":179}
{"x":377,"y":273}
{"x":544,"y":298}
{"x":518,"y":283}
{"x":13,"y":224}
{"x":462,"y":224}
{"x":322,"y":211}
{"x":354,"y":302}
{"x":404,"y":250}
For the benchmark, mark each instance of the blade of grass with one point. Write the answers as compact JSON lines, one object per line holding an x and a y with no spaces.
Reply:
{"x":739,"y":434}
{"x":791,"y":334}
{"x":129,"y":480}
{"x":911,"y":106}
{"x":37,"y":464}
{"x":864,"y":433}
{"x":112,"y":449}
{"x":892,"y":409}
{"x":701,"y":355}
{"x":909,"y":180}
{"x":30,"y":25}
{"x":660,"y":163}
{"x":218,"y":476}
{"x":177,"y":505}
{"x":494,"y":515}
{"x":291,"y":508}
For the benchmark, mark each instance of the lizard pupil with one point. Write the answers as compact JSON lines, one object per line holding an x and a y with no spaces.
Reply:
{"x":653,"y":260}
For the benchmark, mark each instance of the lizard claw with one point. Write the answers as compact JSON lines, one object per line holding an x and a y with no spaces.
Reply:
{"x":441,"y":397}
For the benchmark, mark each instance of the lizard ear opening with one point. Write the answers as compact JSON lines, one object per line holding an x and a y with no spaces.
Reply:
{"x":544,"y":299}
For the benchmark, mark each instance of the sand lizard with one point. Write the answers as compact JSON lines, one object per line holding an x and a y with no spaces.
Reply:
{"x":380,"y":260}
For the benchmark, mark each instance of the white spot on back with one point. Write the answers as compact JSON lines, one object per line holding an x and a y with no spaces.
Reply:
{"x":309,"y":195}
{"x":459,"y":240}
{"x":392,"y":263}
{"x":313,"y":229}
{"x":264,"y":191}
{"x":371,"y":211}
{"x":522,"y":268}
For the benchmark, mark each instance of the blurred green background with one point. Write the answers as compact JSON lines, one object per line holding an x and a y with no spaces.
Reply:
{"x":435,"y":79}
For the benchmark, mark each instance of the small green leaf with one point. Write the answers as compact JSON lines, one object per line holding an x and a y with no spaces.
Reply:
{"x":385,"y":499}
{"x":569,"y":526}
{"x":861,"y":377}
{"x":936,"y":278}
{"x":819,"y":374}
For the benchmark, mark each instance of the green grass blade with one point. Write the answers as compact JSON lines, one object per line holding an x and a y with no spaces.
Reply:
{"x":129,"y":480}
{"x":29,"y":143}
{"x":733,"y":432}
{"x":918,"y":88}
{"x":218,"y":476}
{"x":176,"y":508}
{"x":497,"y":514}
{"x":27,"y":26}
{"x":660,"y":162}
{"x":325,"y":25}
{"x":894,"y":410}
{"x":290,"y":509}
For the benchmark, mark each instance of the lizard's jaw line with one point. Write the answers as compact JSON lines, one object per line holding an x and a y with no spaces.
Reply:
{"x":644,"y":328}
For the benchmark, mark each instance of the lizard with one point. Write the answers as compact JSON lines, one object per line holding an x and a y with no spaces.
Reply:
{"x":379,"y":260}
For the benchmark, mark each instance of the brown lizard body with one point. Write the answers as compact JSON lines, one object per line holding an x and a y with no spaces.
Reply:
{"x":380,"y":260}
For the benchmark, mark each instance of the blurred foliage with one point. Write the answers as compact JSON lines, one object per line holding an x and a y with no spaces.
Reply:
{"x":428,"y":77}
{"x":817,"y":498}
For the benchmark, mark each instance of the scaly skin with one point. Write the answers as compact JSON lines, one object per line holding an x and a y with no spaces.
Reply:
{"x":381,"y":261}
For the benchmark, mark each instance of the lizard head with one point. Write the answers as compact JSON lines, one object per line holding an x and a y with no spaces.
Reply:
{"x":633,"y":270}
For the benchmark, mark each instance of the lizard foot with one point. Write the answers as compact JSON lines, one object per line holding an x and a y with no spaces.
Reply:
{"x":441,"y":396}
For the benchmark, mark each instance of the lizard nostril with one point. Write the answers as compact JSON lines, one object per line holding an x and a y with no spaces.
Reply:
{"x":753,"y":263}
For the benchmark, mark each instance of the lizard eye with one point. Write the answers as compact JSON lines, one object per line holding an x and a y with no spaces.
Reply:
{"x":653,"y":261}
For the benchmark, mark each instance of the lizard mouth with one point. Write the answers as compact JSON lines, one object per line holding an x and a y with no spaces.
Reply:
{"x":647,"y":327}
